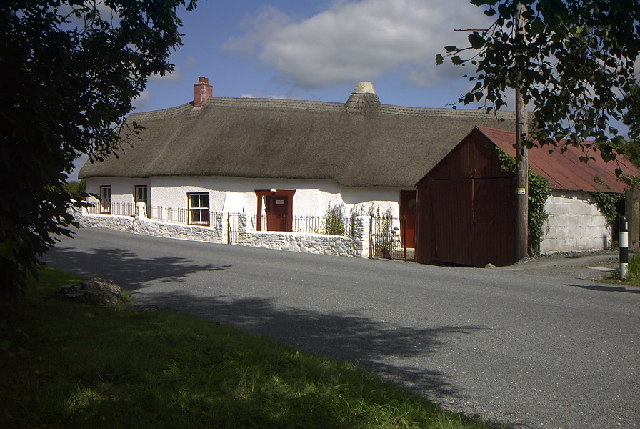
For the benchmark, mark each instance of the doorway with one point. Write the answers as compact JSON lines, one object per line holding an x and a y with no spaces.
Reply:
{"x":408,"y":210}
{"x":278,"y":209}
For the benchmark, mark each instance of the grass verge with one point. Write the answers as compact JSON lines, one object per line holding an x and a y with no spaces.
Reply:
{"x":633,"y":278}
{"x":66,"y":365}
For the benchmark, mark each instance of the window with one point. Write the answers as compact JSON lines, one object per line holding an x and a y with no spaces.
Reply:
{"x":105,"y":199}
{"x":140,"y":194}
{"x":198,"y":208}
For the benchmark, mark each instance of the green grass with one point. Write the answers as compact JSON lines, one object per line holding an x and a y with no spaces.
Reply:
{"x":66,"y":365}
{"x":633,"y":278}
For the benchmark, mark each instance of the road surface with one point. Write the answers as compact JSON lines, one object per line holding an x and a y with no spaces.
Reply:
{"x":530,"y":350}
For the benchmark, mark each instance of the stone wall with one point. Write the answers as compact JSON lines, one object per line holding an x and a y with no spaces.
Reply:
{"x":218,"y":232}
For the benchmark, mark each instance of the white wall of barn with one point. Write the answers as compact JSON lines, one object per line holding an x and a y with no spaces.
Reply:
{"x":237,"y":195}
{"x":574,"y":224}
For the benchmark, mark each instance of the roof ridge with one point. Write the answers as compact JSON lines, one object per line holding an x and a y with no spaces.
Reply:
{"x":311,"y":105}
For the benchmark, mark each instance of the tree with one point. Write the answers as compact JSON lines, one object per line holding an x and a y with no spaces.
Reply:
{"x":69,"y":71}
{"x":76,"y":190}
{"x":574,"y":62}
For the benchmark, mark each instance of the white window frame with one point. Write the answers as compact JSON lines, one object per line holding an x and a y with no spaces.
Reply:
{"x":198,"y":214}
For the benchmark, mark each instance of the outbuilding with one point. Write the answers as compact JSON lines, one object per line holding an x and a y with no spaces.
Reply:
{"x":466,"y":203}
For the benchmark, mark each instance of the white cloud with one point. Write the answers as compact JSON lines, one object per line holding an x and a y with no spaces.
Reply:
{"x":192,"y":63}
{"x":363,"y":40}
{"x":141,"y":101}
{"x":174,"y":76}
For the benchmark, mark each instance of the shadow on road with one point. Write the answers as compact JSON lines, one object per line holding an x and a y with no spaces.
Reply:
{"x":391,"y":351}
{"x":608,"y":288}
{"x":124,"y":267}
{"x":396,"y":353}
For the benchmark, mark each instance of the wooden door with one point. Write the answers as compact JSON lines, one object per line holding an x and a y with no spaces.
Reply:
{"x":408,"y":218}
{"x":278,"y":208}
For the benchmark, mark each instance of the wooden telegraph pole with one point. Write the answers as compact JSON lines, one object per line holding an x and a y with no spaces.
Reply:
{"x":522,"y":162}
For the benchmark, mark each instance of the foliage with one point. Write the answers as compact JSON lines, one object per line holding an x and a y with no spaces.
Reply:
{"x":79,"y":366}
{"x":574,"y":62}
{"x":611,"y":205}
{"x":69,"y":71}
{"x":335,"y":220}
{"x":76,"y":190}
{"x":634,"y":268}
{"x":354,"y":213}
{"x":631,"y":150}
{"x":539,"y":192}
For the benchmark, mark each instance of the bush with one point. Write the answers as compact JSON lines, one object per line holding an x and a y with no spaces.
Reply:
{"x":335,"y":220}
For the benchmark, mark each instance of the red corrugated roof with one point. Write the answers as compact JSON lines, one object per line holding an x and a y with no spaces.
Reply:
{"x":565,"y":171}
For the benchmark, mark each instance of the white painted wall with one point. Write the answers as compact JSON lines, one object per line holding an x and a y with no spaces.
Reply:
{"x":121,"y":187}
{"x":236,"y":195}
{"x":574,"y":224}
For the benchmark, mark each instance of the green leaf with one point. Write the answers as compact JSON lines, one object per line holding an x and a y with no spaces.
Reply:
{"x":476,"y":40}
{"x":537,"y":27}
{"x":439,"y":59}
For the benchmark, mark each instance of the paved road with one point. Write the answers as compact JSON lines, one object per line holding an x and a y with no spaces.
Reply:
{"x":531,"y":350}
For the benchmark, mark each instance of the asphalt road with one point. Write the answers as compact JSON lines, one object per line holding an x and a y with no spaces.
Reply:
{"x":511,"y":346}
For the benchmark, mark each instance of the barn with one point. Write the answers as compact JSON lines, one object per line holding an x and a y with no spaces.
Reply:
{"x":466,"y":203}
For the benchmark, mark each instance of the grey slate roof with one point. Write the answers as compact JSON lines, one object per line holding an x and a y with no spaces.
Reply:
{"x":358,"y":143}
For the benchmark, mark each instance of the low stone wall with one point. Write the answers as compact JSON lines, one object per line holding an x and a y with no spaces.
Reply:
{"x":218,"y":232}
{"x":300,"y":242}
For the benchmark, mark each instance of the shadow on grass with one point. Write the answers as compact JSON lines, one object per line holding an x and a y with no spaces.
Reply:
{"x":391,"y":351}
{"x":125,"y":267}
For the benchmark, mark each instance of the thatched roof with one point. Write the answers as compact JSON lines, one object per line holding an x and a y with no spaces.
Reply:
{"x":359,"y":143}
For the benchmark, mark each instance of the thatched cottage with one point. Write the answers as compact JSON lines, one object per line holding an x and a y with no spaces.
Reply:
{"x":282,"y":158}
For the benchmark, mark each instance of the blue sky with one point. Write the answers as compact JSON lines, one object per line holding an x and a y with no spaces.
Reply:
{"x":318,"y":50}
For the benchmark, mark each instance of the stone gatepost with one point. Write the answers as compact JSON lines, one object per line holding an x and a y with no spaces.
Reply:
{"x":242,"y":223}
{"x":220,"y":227}
{"x":361,"y":235}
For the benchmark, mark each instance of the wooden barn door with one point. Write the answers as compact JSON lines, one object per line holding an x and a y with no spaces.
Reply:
{"x":449,"y":221}
{"x":494,"y":222}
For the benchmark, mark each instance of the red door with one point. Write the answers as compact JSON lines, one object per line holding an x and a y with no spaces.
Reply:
{"x":408,"y":218}
{"x":277,"y":208}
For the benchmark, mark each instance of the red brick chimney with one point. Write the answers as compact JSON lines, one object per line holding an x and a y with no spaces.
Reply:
{"x":201,"y":92}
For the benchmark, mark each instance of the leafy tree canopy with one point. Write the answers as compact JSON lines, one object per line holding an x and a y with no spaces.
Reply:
{"x":69,"y":71}
{"x":574,"y":62}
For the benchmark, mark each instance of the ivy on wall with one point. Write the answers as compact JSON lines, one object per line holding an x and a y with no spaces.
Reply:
{"x":611,"y":205}
{"x":539,"y":191}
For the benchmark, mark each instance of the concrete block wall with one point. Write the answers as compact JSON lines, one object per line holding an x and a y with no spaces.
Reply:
{"x":574,"y":224}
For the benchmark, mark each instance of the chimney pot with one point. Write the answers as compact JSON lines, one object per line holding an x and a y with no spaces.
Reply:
{"x":202,"y":91}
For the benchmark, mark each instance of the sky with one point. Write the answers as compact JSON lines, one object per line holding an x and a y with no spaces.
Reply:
{"x":317,"y":50}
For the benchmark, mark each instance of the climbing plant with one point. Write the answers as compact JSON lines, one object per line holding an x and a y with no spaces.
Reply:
{"x":539,"y":191}
{"x":611,"y":205}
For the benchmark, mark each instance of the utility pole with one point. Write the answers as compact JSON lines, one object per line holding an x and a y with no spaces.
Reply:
{"x":522,"y":160}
